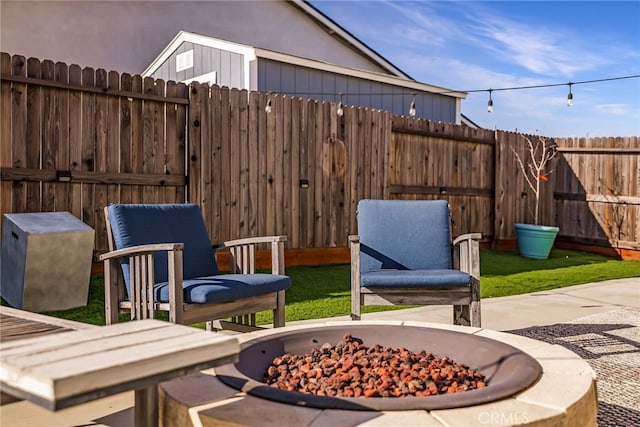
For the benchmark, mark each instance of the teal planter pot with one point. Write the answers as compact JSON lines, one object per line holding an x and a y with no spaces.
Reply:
{"x":535,"y":241}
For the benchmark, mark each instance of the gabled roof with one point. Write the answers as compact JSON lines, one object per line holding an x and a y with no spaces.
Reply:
{"x":338,"y":32}
{"x":251,"y":53}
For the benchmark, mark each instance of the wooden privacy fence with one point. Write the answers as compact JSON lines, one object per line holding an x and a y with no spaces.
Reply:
{"x":77,"y":139}
{"x":597,"y":191}
{"x":432,"y":160}
{"x":298,"y":170}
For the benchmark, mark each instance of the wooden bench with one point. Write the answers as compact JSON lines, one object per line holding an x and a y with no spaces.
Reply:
{"x":60,"y":370}
{"x":19,"y":324}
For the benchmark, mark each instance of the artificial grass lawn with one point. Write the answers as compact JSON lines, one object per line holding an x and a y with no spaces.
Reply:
{"x":320,"y":292}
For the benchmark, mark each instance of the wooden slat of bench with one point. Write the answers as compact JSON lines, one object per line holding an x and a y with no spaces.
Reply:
{"x":80,"y":337}
{"x":18,"y":324}
{"x":135,"y":354}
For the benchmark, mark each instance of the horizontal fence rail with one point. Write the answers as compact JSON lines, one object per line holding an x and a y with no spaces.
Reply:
{"x":76,"y":139}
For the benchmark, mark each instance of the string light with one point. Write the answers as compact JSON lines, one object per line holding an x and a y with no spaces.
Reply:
{"x":340,"y":110}
{"x":412,"y":106}
{"x":445,"y":92}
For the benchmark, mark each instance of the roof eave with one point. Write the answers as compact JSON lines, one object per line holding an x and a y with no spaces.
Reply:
{"x":335,"y":30}
{"x":356,"y":72}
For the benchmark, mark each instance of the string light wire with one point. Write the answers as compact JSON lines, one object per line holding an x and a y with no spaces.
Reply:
{"x":444,"y":92}
{"x":547,"y":85}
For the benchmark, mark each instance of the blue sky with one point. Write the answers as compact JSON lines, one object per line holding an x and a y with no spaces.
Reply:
{"x":471,"y":45}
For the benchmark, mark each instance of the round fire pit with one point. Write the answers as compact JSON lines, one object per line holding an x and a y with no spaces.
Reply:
{"x":507,"y":369}
{"x":530,"y":382}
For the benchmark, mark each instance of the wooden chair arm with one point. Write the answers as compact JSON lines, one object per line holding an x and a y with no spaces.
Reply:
{"x":141,"y":250}
{"x":141,"y":281}
{"x":255,"y":240}
{"x":466,"y":254}
{"x":469,"y":236}
{"x":243,"y":253}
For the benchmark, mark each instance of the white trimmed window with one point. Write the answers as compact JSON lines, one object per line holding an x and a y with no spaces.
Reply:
{"x":184,"y":61}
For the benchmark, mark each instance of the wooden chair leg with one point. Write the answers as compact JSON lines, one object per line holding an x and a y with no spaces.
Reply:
{"x":461,"y":315}
{"x":476,"y":319}
{"x":356,"y":304}
{"x":146,"y":407}
{"x":356,"y":299}
{"x":475,"y":314}
{"x":278,"y":313}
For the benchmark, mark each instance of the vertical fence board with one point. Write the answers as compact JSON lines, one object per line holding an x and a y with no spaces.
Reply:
{"x":287,"y":168}
{"x":137,"y":131}
{"x":324,"y":166}
{"x":125,"y":137}
{"x":6,"y":157}
{"x":175,"y":153}
{"x":318,"y":140}
{"x":309,"y":199}
{"x":278,"y":165}
{"x":113,"y":147}
{"x":195,"y":140}
{"x":88,"y":145}
{"x":335,"y":192}
{"x":159,"y":138}
{"x":214,"y":175}
{"x":304,"y":173}
{"x":252,"y":165}
{"x":49,"y":141}
{"x":348,"y":159}
{"x":243,"y":153}
{"x":33,"y":140}
{"x":63,"y":157}
{"x":234,"y":171}
{"x":101,"y":191}
{"x":263,"y":130}
{"x":204,"y":155}
{"x":150,"y":148}
{"x":75,"y":136}
{"x":294,"y":212}
{"x":225,"y":178}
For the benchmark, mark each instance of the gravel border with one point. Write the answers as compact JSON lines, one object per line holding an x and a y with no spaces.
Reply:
{"x":610,"y":343}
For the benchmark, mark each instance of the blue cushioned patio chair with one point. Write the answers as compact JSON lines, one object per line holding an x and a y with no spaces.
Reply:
{"x":403,"y":254}
{"x":168,"y":263}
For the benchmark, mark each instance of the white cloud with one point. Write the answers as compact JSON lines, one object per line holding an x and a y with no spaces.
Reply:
{"x":617,"y":109}
{"x":544,"y":50}
{"x":539,"y":49}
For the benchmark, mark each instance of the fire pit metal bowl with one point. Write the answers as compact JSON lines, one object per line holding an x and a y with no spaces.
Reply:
{"x":507,"y":369}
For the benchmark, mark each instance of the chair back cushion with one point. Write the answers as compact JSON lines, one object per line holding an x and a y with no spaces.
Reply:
{"x":141,"y":224}
{"x":404,"y":235}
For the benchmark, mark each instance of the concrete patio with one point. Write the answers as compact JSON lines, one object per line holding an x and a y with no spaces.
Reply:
{"x":568,"y":316}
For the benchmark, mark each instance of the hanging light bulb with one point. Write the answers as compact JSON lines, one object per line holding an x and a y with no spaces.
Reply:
{"x":570,"y":96}
{"x":267,"y":108}
{"x":412,"y":106}
{"x":340,"y":110}
{"x":490,"y":103}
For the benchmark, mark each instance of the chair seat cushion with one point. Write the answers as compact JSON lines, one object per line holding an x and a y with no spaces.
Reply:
{"x":415,"y":278}
{"x":225,"y":287}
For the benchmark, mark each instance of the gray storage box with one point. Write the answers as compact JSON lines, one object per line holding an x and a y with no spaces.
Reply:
{"x":46,"y":261}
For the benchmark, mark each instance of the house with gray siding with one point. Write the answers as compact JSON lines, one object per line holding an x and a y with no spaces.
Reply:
{"x":285,"y":46}
{"x":195,"y":57}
